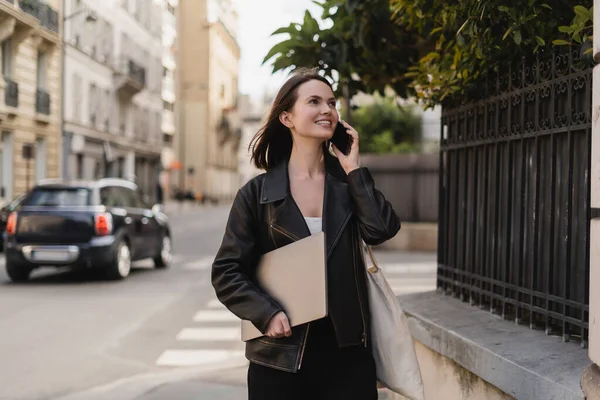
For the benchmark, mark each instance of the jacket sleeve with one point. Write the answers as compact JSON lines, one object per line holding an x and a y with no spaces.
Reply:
{"x":234,"y":262}
{"x":378,"y":221}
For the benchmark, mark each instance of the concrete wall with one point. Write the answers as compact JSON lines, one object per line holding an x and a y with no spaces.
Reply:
{"x":445,"y":379}
{"x":409,"y":181}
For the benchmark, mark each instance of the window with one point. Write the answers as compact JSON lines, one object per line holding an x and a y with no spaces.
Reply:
{"x":79,"y":166}
{"x":107,"y":109}
{"x":77,"y":98}
{"x":168,"y":105}
{"x":115,"y":196}
{"x":58,"y":197}
{"x":93,"y":104}
{"x":7,"y":58}
{"x":40,"y":159}
{"x":42,"y":69}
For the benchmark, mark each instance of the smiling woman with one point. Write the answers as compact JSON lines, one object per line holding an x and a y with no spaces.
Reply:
{"x":305,"y":191}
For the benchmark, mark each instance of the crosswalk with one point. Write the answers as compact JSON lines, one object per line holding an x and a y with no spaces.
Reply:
{"x":215,"y":331}
{"x":212,"y":336}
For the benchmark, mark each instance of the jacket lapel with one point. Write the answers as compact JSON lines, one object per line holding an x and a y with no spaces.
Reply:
{"x":285,"y":216}
{"x":337,"y":210}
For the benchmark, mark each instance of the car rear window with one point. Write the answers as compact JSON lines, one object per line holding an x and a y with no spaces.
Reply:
{"x":58,"y":197}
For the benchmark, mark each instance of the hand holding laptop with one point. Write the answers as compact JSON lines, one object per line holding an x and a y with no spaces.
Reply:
{"x":295,"y":276}
{"x":279,"y":326}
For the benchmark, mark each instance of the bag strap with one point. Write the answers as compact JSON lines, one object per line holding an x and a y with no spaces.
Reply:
{"x":374,"y":267}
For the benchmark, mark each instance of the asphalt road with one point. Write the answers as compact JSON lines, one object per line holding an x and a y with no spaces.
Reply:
{"x":62,"y":332}
{"x":65,"y":335}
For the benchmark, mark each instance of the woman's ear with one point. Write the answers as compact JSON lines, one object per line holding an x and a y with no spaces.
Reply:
{"x":284,"y":118}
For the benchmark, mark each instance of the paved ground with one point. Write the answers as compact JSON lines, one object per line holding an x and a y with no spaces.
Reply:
{"x":160,"y":334}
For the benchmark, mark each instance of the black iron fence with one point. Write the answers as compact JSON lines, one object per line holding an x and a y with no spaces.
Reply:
{"x":515,"y":197}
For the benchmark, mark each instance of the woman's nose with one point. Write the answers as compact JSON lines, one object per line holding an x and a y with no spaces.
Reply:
{"x":326,"y":110}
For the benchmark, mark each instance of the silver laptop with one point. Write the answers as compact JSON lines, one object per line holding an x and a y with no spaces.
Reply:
{"x":295,"y":276}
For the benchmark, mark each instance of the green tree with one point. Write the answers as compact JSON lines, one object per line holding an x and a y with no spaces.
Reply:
{"x":435,"y":50}
{"x":363,"y":50}
{"x":386,"y":127}
{"x":476,"y":37}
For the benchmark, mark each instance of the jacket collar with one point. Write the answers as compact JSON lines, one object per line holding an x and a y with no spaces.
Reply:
{"x":337,"y":203}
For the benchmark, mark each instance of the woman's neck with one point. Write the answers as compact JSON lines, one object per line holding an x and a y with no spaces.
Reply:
{"x":306,"y":161}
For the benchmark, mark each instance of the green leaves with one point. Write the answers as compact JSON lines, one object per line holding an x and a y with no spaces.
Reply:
{"x":434,"y":50}
{"x":580,"y":30}
{"x":584,"y":13}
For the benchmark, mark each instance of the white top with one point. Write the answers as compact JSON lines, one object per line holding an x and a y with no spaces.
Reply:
{"x":315,"y":224}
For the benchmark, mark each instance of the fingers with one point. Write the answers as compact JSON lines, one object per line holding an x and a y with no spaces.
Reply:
{"x":279,"y":327}
{"x":350,"y":130}
{"x":336,"y":151}
{"x":285,"y":323}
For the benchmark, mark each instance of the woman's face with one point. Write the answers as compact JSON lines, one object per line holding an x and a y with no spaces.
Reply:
{"x":314,"y":114}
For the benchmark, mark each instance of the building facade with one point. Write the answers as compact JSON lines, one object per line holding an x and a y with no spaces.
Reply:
{"x":169,"y":95}
{"x":112,"y":90}
{"x":209,"y":130}
{"x":29,"y":93}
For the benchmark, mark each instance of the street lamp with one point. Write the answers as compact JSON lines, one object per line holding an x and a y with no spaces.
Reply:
{"x":89,"y":19}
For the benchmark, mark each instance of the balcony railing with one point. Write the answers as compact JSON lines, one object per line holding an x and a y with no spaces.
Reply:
{"x":47,"y":15}
{"x":136,"y":72}
{"x":11,"y":95}
{"x":42,"y":102}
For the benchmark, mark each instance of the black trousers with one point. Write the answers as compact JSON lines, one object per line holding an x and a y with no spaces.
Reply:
{"x":327,"y":372}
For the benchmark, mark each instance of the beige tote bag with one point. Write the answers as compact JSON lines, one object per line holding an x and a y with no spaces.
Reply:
{"x":393,"y":348}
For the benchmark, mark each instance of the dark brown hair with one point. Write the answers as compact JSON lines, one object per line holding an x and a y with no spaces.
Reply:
{"x":272,"y":143}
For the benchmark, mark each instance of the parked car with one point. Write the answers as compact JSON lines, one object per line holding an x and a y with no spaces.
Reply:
{"x":104,"y":225}
{"x":5,"y":212}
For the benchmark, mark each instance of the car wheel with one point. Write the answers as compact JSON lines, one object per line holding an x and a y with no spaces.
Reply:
{"x":121,"y":265}
{"x":18,"y":273}
{"x":165,"y":255}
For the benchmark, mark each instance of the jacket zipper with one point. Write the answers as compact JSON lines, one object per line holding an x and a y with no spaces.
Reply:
{"x":364,"y":334}
{"x":303,"y":346}
{"x":284,"y":232}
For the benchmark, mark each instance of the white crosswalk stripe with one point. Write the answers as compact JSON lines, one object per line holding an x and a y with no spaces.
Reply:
{"x":194,"y":358}
{"x":209,"y":334}
{"x":215,"y":316}
{"x":217,"y":328}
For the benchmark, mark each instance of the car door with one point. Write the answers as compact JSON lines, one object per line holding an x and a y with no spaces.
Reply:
{"x":117,"y":203}
{"x":151,"y":232}
{"x":133,"y":219}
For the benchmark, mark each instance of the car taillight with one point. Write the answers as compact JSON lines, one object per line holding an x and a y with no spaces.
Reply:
{"x":103,"y":224}
{"x":11,"y":224}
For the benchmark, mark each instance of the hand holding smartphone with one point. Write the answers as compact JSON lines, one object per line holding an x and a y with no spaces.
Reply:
{"x":341,"y":139}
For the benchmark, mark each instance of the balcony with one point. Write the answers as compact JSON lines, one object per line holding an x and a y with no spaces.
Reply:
{"x":168,"y":122}
{"x":42,"y":102}
{"x":130,"y":79}
{"x":11,"y":94}
{"x":47,"y":15}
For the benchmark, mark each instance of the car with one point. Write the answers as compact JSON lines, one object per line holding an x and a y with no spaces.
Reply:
{"x":5,"y":212}
{"x":98,"y":225}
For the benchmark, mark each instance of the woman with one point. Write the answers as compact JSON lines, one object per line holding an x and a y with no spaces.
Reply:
{"x":305,"y":190}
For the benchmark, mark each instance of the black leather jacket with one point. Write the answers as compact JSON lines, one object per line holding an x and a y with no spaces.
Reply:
{"x":264,"y":217}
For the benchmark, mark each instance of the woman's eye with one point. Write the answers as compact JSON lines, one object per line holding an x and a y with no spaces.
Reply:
{"x":313,"y":101}
{"x":332,"y":104}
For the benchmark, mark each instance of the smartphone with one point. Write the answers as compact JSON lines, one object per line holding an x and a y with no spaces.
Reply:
{"x":341,"y":139}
